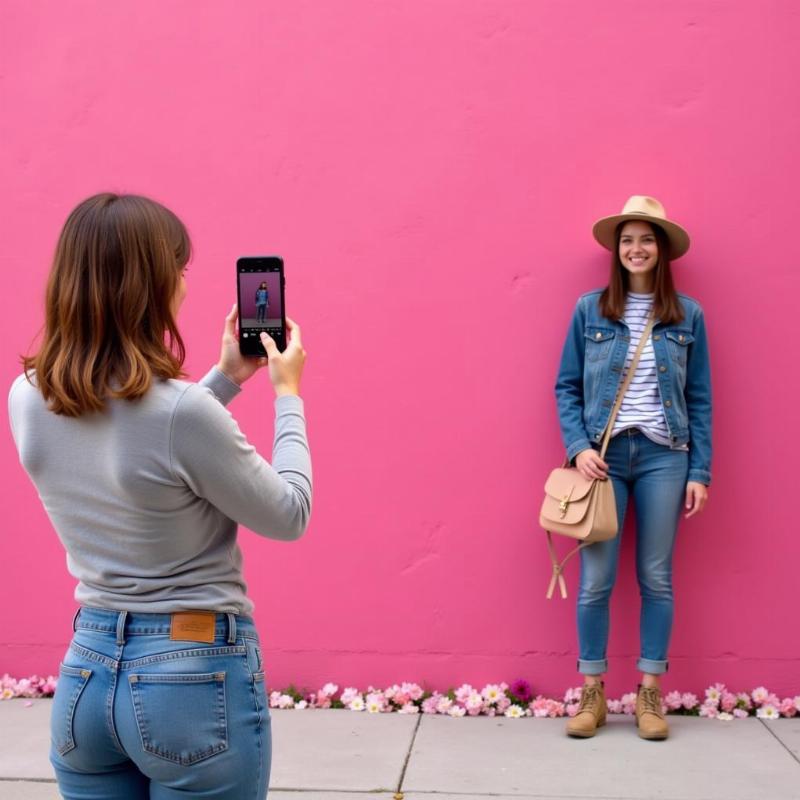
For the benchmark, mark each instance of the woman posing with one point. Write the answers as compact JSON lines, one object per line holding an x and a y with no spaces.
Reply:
{"x":145,"y":477}
{"x":660,"y":450}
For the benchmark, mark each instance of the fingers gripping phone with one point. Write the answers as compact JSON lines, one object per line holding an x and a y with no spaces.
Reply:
{"x":260,"y":290}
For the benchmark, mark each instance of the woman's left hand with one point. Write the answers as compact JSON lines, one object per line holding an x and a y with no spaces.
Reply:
{"x":231,"y":362}
{"x":696,"y":497}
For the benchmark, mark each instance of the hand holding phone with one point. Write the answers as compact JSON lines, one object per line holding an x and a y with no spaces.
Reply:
{"x":286,"y":368}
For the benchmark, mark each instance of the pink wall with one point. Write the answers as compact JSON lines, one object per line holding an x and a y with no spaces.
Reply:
{"x":398,"y":154}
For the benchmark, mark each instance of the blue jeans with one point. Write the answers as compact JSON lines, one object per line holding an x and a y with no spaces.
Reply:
{"x":655,"y":476}
{"x":138,"y":715}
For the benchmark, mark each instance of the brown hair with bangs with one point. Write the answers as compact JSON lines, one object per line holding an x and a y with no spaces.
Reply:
{"x":109,"y":322}
{"x":666,"y":304}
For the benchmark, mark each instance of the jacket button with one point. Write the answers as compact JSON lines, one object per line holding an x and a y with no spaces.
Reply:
{"x":598,"y":335}
{"x":681,"y":338}
{"x":662,"y":368}
{"x":668,"y":403}
{"x":656,"y":337}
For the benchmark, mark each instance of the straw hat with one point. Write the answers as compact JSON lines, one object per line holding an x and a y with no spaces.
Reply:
{"x":647,"y":209}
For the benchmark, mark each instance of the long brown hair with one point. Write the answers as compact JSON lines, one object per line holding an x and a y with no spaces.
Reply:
{"x":666,"y":304}
{"x":109,"y":322}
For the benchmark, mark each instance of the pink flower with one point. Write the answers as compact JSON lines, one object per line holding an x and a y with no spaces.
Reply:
{"x":787,"y":707}
{"x":539,"y":706}
{"x":743,"y":700}
{"x":673,"y":701}
{"x":329,"y":689}
{"x":502,"y":704}
{"x":628,"y":703}
{"x":728,"y":701}
{"x":773,"y":700}
{"x":555,"y":709}
{"x":348,"y":695}
{"x":709,"y":709}
{"x":740,"y":713}
{"x":572,"y":709}
{"x":7,"y":693}
{"x":760,"y":695}
{"x":409,"y":708}
{"x":375,"y":702}
{"x":413,"y":690}
{"x":797,"y":702}
{"x":573,"y":694}
{"x":429,"y":705}
{"x":474,"y":702}
{"x":614,"y":706}
{"x":444,"y":705}
{"x":456,"y":711}
{"x":522,"y":690}
{"x":689,"y":701}
{"x":274,"y":697}
{"x":463,"y":692}
{"x":713,"y":695}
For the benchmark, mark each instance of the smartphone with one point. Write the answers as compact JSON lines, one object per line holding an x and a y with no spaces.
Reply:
{"x":260,"y":292}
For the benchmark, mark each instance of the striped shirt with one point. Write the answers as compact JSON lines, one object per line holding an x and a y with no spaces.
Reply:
{"x":641,"y":407}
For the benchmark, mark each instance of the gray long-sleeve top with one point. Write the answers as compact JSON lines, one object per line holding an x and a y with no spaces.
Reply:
{"x":146,"y":496}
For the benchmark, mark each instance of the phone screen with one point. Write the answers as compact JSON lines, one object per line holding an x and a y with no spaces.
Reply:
{"x":260,"y":292}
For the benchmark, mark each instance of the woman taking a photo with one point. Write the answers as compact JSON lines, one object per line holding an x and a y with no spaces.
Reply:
{"x":660,"y":451}
{"x":145,"y":477}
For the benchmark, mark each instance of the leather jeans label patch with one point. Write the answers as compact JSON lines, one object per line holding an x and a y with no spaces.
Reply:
{"x":193,"y":626}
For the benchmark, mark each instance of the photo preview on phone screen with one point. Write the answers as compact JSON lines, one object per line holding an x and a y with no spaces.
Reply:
{"x":260,"y":302}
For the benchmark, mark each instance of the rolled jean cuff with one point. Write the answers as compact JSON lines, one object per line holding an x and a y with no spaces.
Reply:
{"x":592,"y":667}
{"x":652,"y":667}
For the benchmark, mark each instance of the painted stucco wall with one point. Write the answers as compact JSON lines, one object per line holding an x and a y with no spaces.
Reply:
{"x":430,"y":172}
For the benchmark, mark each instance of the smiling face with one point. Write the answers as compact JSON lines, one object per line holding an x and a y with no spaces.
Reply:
{"x":638,"y":248}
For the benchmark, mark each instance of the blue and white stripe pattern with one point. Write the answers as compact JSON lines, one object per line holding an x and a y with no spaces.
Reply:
{"x":641,"y":407}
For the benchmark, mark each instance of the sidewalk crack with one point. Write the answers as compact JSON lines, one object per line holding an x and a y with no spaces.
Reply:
{"x":399,"y":792}
{"x":780,"y":741}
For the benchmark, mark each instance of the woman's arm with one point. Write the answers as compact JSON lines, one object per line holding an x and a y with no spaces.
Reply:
{"x":698,"y":403}
{"x":569,"y":387}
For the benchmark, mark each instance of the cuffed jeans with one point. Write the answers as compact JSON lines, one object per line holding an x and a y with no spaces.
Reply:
{"x":655,"y":476}
{"x":137,"y":715}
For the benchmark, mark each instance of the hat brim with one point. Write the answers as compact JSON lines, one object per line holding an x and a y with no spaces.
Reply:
{"x":605,"y":228}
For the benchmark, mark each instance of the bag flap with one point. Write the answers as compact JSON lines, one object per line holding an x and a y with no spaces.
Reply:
{"x":567,"y":483}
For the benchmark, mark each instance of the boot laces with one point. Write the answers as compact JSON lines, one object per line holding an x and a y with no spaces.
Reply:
{"x":590,"y":698}
{"x":651,"y":699}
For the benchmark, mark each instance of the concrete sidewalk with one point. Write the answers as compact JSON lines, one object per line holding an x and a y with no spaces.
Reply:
{"x":345,"y":755}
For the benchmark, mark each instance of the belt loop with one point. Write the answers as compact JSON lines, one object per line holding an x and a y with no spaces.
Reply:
{"x":121,"y":627}
{"x":75,"y":620}
{"x":231,"y":628}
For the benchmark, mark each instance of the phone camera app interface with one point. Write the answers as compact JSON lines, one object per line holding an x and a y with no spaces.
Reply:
{"x":260,"y":301}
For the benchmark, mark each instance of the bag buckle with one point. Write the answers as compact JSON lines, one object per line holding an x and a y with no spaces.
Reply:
{"x":562,"y":506}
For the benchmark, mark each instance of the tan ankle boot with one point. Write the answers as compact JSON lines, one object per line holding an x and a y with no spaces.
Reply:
{"x":649,"y":716}
{"x":591,"y":712}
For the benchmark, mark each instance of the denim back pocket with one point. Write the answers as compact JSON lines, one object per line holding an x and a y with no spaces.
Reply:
{"x":598,"y":342}
{"x":181,"y":718}
{"x":71,"y":683}
{"x":678,"y":343}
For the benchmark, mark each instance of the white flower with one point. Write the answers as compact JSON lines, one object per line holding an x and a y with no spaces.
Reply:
{"x":456,"y":711}
{"x":409,"y":708}
{"x":285,"y":701}
{"x":474,"y":701}
{"x":374,"y":707}
{"x":492,"y":693}
{"x":768,"y":712}
{"x":330,"y":689}
{"x":357,"y":704}
{"x":797,"y":702}
{"x":301,"y":705}
{"x":725,"y":716}
{"x":712,"y":694}
{"x":515,"y":712}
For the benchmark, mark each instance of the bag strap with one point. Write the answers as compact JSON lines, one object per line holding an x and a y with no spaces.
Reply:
{"x":626,"y":383}
{"x":558,"y":566}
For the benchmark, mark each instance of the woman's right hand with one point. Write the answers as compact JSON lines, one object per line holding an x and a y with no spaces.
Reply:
{"x":285,"y":368}
{"x":590,"y":465}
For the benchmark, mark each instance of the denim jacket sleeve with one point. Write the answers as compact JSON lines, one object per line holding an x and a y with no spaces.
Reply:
{"x":698,"y":404}
{"x":569,"y":387}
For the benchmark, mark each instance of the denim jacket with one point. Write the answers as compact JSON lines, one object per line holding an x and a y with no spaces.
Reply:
{"x":591,"y":372}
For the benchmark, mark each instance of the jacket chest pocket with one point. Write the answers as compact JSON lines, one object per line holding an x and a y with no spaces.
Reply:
{"x":598,"y":343}
{"x":678,"y":345}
